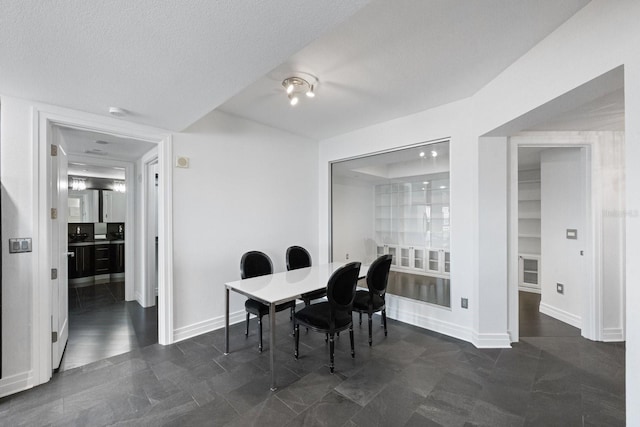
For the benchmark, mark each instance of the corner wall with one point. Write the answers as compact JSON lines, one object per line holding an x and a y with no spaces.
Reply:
{"x":248,"y":187}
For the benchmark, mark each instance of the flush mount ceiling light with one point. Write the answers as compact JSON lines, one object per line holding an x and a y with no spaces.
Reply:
{"x":301,"y":83}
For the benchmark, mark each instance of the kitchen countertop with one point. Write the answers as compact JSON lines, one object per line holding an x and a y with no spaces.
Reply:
{"x":95,"y":242}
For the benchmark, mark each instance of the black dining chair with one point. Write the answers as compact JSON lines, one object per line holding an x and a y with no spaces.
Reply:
{"x":373,"y":300}
{"x":299,"y":257}
{"x":253,"y":264}
{"x":334,"y":315}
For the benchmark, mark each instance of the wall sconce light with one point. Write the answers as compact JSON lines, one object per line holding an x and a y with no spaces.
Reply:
{"x":301,"y":83}
{"x":119,"y":186}
{"x":78,"y":184}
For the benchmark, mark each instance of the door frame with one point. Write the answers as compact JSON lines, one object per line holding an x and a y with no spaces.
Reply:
{"x":147,"y":246}
{"x":592,"y":293}
{"x":44,"y":119}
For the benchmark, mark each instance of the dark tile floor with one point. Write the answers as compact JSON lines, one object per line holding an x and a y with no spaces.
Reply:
{"x":102,"y":324}
{"x":413,"y":377}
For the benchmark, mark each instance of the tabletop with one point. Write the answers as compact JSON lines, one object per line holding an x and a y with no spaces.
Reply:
{"x":285,"y":286}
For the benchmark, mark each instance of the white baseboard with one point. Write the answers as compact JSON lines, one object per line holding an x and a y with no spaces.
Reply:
{"x":16,"y":383}
{"x":412,"y":317}
{"x":491,"y":340}
{"x":561,"y":315}
{"x":205,"y":326}
{"x":138,"y":297}
{"x":612,"y":335}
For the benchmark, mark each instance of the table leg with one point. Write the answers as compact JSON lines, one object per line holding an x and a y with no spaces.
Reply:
{"x":226,"y":321}
{"x":272,"y":344}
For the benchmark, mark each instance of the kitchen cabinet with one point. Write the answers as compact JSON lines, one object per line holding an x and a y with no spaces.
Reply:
{"x":391,"y":250}
{"x":114,"y":206}
{"x":438,"y":261}
{"x":102,"y":259}
{"x":412,"y":258}
{"x":81,"y":261}
{"x":117,"y":257}
{"x":529,"y":273}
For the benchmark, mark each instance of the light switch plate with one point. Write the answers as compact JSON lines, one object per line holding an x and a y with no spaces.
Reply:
{"x":464,"y":303}
{"x":560,"y":288}
{"x":19,"y":245}
{"x":572,"y":233}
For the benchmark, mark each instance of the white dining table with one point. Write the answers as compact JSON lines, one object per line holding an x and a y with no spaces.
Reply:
{"x":278,"y":288}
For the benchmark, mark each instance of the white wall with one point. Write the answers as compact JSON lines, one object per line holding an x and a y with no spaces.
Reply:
{"x":18,"y":216}
{"x":492,"y":250}
{"x":248,"y":187}
{"x":353,"y":222}
{"x":562,"y":183}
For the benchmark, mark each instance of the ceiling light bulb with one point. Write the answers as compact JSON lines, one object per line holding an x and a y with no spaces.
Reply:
{"x":290,"y":89}
{"x":310,"y":92}
{"x":294,"y":100}
{"x":434,"y":154}
{"x":422,"y":154}
{"x":425,"y":182}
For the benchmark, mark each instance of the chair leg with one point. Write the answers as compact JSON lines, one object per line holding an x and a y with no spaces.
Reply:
{"x":370,"y":322}
{"x":247,"y":332}
{"x":360,"y":313}
{"x":293,"y":311}
{"x":353,"y":352}
{"x":260,"y":333}
{"x":331,"y":346}
{"x":296,"y":334}
{"x":384,"y":321}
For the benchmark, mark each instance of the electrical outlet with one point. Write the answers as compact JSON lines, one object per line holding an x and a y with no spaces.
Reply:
{"x":464,"y":302}
{"x":346,"y":256}
{"x":560,"y":288}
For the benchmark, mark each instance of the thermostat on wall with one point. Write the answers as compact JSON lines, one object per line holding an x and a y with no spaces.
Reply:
{"x":182,"y":162}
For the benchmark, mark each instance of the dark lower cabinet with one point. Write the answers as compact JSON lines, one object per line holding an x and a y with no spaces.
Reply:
{"x":94,"y":260}
{"x":117,"y":257}
{"x":81,"y":263}
{"x":103,"y":261}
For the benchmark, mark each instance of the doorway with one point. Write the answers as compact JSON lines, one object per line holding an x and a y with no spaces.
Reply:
{"x":104,"y":318}
{"x":46,"y":123}
{"x":552,"y":199}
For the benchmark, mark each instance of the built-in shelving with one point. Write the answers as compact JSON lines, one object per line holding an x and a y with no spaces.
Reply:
{"x":529,"y":236}
{"x":412,"y":223}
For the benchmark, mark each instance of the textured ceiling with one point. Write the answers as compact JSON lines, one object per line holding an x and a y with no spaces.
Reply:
{"x":103,"y":146}
{"x":169,"y":63}
{"x":166,"y":62}
{"x":394,"y":58}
